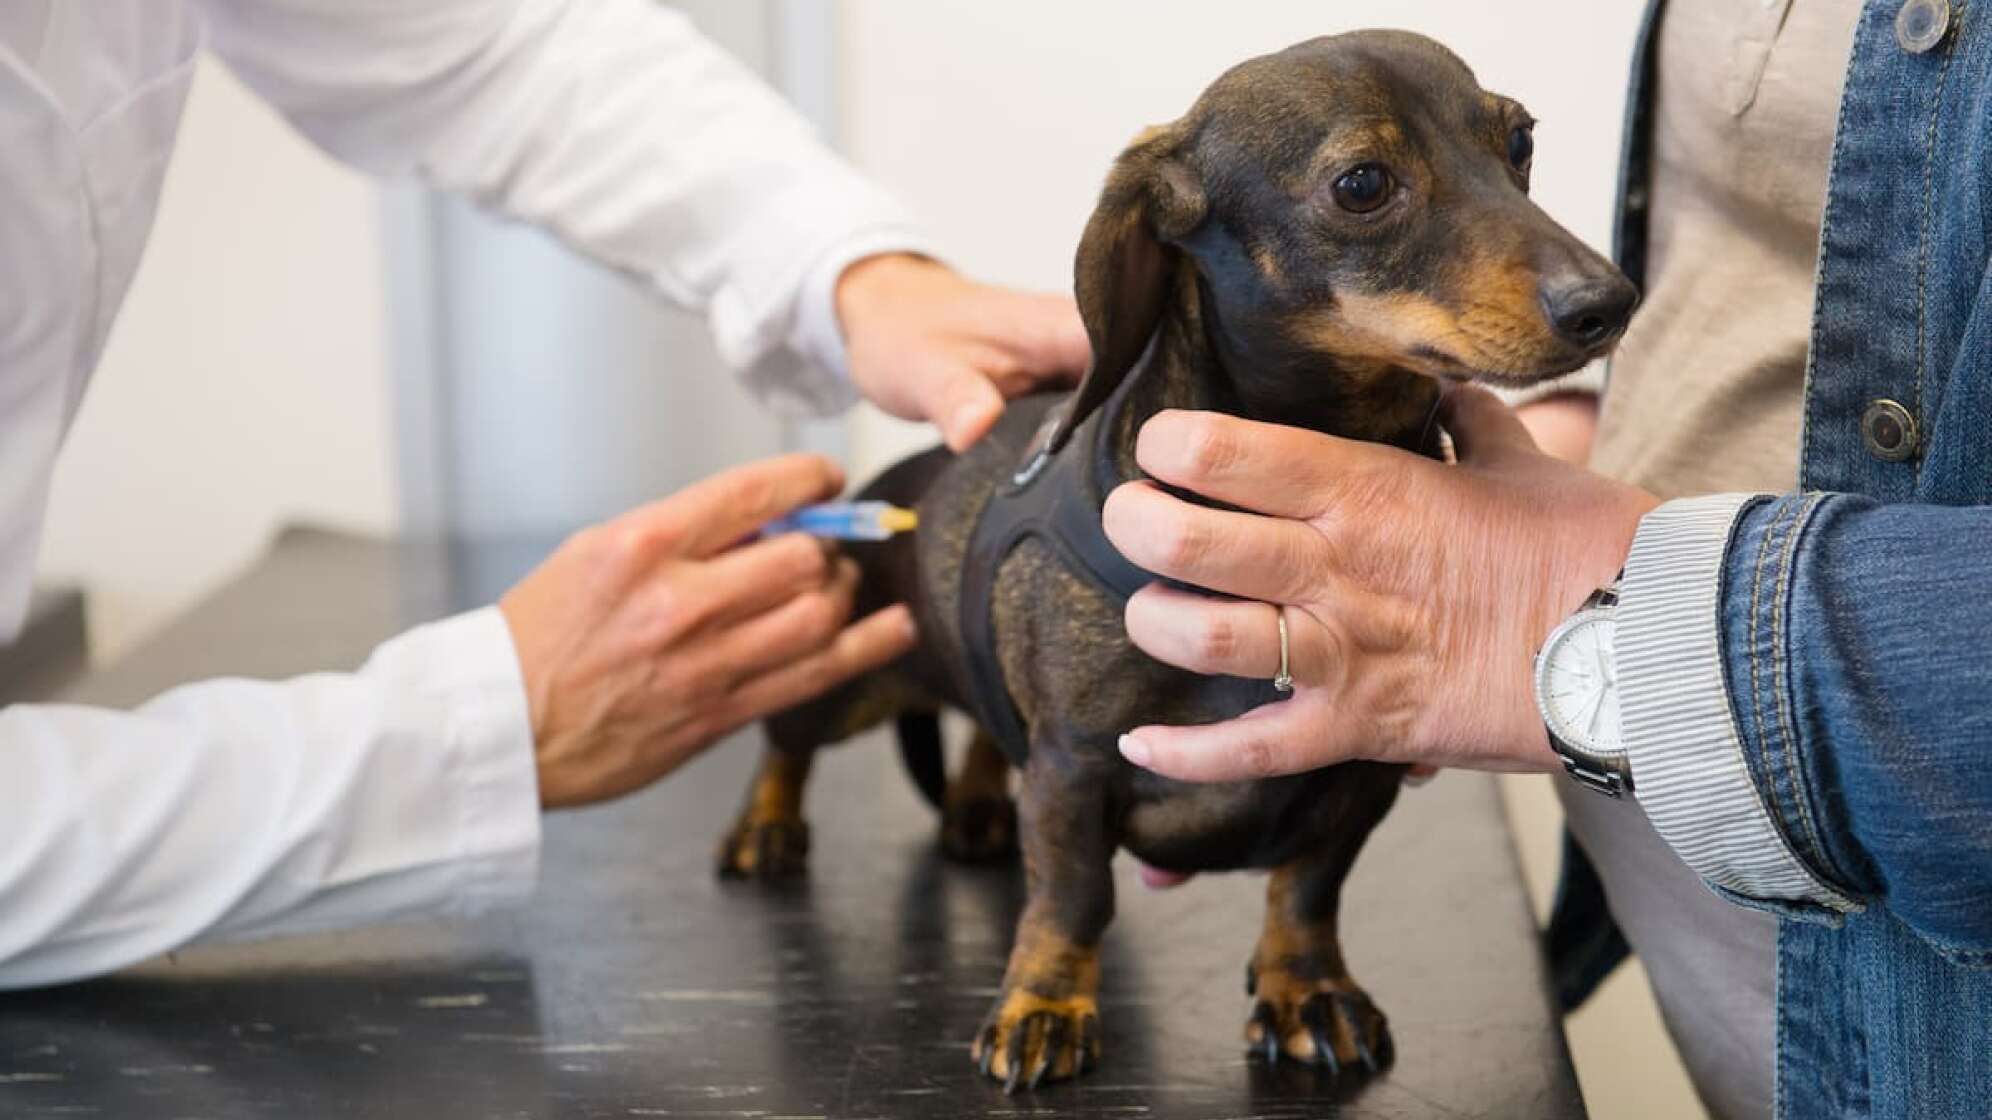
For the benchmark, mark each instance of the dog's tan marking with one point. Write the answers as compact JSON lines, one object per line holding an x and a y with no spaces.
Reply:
{"x":1496,"y":331}
{"x":1268,"y":263}
{"x":770,"y":839}
{"x":1305,"y":997}
{"x":1387,"y":329}
{"x":1045,"y":1026}
{"x":1377,"y":139}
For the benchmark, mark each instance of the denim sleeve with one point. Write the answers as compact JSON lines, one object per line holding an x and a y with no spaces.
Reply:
{"x":1857,"y":654}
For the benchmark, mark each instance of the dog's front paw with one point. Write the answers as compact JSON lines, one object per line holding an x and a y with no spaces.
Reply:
{"x":1028,"y":1039}
{"x":764,"y":849}
{"x":1326,"y":1023}
{"x":979,"y":829}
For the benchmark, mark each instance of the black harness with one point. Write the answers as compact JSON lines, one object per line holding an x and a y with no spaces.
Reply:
{"x":1055,"y":497}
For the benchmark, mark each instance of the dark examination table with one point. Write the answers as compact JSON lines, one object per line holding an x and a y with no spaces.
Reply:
{"x":637,"y":986}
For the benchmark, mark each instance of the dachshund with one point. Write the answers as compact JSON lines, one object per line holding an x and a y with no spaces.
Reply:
{"x":1328,"y":236}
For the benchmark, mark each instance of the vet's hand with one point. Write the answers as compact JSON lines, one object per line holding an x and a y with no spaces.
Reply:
{"x":646,"y":639}
{"x":1416,"y":593}
{"x":926,"y":344}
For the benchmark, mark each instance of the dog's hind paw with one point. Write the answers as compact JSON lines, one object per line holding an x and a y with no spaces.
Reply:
{"x":1028,"y":1040}
{"x":979,"y":829}
{"x":773,"y":849}
{"x":1335,"y":1028}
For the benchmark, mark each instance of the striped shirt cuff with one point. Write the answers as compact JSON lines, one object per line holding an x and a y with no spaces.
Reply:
{"x":1687,"y":758}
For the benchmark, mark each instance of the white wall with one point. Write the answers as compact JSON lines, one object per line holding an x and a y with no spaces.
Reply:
{"x":997,"y":122}
{"x":245,"y":383}
{"x":570,"y":394}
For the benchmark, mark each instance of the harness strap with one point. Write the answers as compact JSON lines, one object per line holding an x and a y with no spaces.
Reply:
{"x":1050,"y":499}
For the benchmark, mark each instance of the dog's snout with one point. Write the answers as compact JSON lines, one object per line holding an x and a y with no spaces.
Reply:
{"x":1592,"y":311}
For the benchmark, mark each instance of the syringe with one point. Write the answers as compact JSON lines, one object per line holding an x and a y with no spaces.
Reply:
{"x":846,"y":521}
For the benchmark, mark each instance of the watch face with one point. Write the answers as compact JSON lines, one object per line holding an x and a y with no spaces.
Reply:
{"x":1577,"y":685}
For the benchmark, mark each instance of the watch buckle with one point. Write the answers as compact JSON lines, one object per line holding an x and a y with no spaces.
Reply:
{"x":1611,"y":783}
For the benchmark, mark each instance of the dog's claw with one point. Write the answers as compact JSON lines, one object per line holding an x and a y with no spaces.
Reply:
{"x":1263,"y":1034}
{"x":1314,"y":1016}
{"x":1251,"y":979}
{"x":1056,"y":1030}
{"x":1356,"y":1007}
{"x":1015,"y":1051}
{"x":1028,"y":1052}
{"x":1027,"y":1043}
{"x":1341,"y":1028}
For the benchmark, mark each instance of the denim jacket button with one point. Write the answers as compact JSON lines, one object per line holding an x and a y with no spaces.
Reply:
{"x":1922,"y":24}
{"x":1890,"y":432}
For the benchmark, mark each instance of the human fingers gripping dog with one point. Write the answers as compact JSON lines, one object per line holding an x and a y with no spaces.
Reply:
{"x":1415,"y":593}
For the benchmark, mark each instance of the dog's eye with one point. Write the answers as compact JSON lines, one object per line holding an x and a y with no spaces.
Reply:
{"x":1363,"y":189}
{"x":1521,"y":147}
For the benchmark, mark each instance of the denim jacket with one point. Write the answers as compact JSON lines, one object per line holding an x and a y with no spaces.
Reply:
{"x":1855,"y":617}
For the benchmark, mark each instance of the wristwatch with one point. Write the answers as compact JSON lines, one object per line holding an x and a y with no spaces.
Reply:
{"x":1576,"y":692}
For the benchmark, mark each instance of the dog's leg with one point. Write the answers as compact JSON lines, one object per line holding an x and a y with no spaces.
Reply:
{"x":770,"y":839}
{"x":1307,"y":1007}
{"x":1045,"y":1024}
{"x":979,"y":821}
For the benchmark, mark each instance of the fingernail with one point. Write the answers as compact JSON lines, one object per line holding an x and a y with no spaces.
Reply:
{"x":968,"y":419}
{"x":1134,"y":750}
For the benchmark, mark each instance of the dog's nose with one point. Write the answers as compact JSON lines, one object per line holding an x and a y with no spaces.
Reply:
{"x":1590,"y":312}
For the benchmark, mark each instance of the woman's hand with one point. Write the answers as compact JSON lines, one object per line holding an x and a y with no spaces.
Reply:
{"x":1416,"y":593}
{"x":925,"y":344}
{"x":1565,"y":425}
{"x":646,"y":639}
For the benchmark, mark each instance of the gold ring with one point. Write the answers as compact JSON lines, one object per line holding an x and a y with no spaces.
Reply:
{"x":1283,"y":681}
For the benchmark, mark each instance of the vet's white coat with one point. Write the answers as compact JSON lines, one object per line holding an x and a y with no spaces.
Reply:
{"x":238,"y":808}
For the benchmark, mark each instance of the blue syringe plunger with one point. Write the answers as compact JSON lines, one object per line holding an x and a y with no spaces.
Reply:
{"x":846,"y":521}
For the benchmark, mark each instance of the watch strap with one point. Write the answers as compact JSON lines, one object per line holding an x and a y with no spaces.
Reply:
{"x":1610,"y":775}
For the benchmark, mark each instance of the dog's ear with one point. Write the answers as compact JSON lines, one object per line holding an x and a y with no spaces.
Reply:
{"x":1124,"y":267}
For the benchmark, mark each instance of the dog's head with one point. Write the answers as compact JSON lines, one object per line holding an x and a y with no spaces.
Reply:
{"x":1353,"y":206}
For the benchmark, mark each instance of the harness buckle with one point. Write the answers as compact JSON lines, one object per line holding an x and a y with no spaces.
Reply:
{"x":1038,"y":453}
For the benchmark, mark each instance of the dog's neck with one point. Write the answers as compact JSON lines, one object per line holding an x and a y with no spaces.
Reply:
{"x":1199,"y":364}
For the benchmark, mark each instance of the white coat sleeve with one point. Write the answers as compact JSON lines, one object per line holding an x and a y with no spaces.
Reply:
{"x":236,"y":808}
{"x":612,"y":123}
